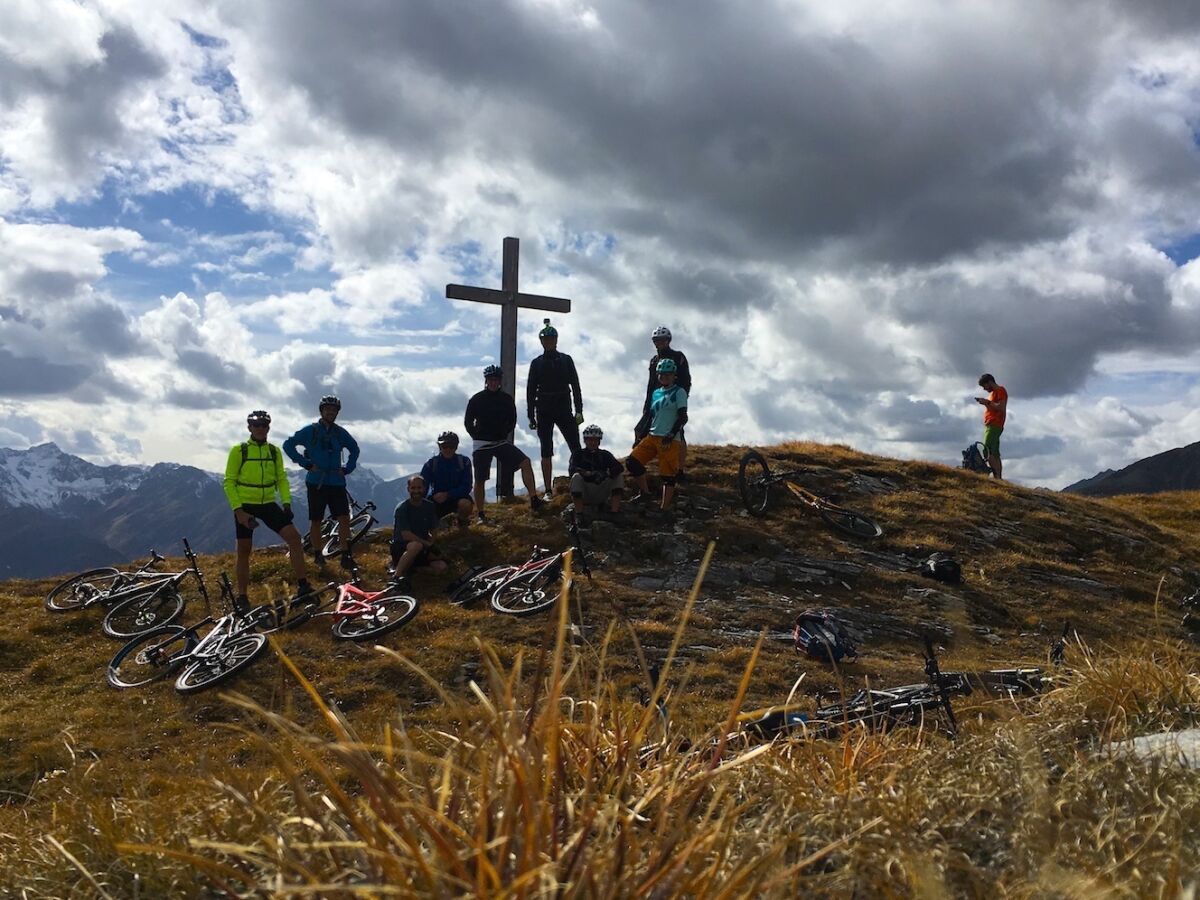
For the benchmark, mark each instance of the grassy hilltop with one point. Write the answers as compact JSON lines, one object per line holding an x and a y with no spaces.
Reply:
{"x":485,"y":753}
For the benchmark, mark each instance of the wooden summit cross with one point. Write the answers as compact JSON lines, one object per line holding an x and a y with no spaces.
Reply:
{"x":509,"y":299}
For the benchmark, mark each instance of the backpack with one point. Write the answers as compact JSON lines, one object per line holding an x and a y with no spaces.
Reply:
{"x":819,"y":635}
{"x":942,"y":567}
{"x":974,"y":458}
{"x":246,"y":456}
{"x":461,"y":585}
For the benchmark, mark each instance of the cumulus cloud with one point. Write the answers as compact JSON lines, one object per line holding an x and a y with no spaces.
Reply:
{"x":842,"y":227}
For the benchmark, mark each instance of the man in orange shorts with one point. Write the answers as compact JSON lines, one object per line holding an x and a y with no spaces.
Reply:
{"x":668,"y":414}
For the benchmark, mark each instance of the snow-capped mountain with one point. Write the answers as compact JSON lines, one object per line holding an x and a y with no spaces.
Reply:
{"x":60,"y":513}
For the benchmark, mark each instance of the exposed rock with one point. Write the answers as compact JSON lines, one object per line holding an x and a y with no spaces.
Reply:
{"x":1181,"y":747}
{"x":1075,"y":583}
{"x":933,"y":598}
{"x":648,"y":583}
{"x":869,"y":484}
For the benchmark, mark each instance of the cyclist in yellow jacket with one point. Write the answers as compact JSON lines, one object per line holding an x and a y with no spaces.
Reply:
{"x":254,"y":475}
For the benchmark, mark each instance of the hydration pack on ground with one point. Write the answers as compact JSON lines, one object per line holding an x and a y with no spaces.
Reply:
{"x":942,"y":567}
{"x":974,"y":458}
{"x":819,"y":635}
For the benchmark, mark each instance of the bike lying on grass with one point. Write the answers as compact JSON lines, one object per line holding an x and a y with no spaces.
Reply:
{"x":357,"y":614}
{"x":524,"y":589}
{"x":202,"y":658}
{"x":138,"y":600}
{"x":755,"y":480}
{"x":362,"y":520}
{"x":882,"y":709}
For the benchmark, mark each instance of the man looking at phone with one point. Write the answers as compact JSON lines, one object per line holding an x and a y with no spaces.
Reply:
{"x":994,"y":414}
{"x":254,"y":475}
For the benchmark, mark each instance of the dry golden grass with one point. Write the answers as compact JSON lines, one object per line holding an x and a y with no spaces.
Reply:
{"x":341,"y":770}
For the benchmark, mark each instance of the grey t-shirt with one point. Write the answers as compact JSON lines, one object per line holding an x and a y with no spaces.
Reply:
{"x":419,"y":518}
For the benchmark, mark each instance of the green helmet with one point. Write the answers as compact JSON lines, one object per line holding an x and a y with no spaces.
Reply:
{"x":548,"y":330}
{"x":666,"y":366}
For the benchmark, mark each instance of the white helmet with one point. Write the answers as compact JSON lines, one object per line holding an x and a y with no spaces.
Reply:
{"x":662,"y":331}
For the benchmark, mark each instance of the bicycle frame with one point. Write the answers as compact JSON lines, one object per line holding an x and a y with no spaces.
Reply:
{"x":352,"y":600}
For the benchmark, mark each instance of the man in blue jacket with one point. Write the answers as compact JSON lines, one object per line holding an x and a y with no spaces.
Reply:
{"x":448,"y":480}
{"x":324,"y":442}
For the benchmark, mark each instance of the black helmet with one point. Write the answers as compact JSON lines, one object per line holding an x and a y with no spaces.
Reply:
{"x":493,"y":372}
{"x":448,"y":437}
{"x":259,"y":417}
{"x":330,"y":400}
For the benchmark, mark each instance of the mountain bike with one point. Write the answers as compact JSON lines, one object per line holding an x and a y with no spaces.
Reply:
{"x":755,"y":480}
{"x":357,"y":614}
{"x":361,"y":521}
{"x":882,"y":709}
{"x":139,"y":600}
{"x":535,"y":584}
{"x":230,"y":644}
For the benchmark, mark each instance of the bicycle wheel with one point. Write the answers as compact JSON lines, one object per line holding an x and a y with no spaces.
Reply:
{"x":388,"y":612}
{"x":849,"y":522}
{"x":150,"y":656}
{"x":482,"y":585}
{"x":137,"y":615}
{"x":359,"y":526}
{"x":79,"y":590}
{"x":528,"y":592}
{"x":753,"y":483}
{"x":235,"y":654}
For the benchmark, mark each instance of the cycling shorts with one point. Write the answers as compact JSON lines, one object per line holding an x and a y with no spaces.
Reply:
{"x":651,"y":447}
{"x":505,"y":452}
{"x":333,"y":496}
{"x":270,"y":514}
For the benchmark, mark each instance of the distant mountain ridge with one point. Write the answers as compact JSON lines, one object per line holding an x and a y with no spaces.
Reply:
{"x":62,"y":513}
{"x":1172,"y":470}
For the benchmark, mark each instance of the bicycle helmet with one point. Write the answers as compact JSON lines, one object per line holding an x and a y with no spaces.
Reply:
{"x":448,"y":438}
{"x":259,"y":417}
{"x":548,"y":330}
{"x":593,"y":431}
{"x":493,"y":372}
{"x":666,"y":366}
{"x":662,"y":331}
{"x":330,"y":400}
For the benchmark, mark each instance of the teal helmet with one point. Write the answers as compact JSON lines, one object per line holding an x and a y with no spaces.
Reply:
{"x":548,"y":330}
{"x":666,"y":366}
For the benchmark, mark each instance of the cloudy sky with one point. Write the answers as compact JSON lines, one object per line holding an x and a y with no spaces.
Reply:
{"x":844,"y":211}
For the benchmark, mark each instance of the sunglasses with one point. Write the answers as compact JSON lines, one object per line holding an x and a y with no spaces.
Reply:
{"x":259,"y":425}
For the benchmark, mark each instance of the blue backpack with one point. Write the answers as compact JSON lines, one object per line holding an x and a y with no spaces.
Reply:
{"x":974,"y":458}
{"x":818,"y":635}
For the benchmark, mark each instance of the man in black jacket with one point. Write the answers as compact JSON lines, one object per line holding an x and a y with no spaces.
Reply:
{"x":490,"y":418}
{"x":552,"y":384}
{"x":661,"y":336}
{"x":596,"y":476}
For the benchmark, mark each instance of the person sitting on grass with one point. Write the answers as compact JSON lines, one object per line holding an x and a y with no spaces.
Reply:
{"x":668,"y":414}
{"x":413,"y":535}
{"x":448,"y":476}
{"x":596,"y":478}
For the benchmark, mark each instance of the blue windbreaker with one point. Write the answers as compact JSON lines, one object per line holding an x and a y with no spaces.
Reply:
{"x":323,"y":448}
{"x":452,"y":475}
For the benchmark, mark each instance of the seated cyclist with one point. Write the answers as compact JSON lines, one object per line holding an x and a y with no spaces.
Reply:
{"x":413,"y":534}
{"x":596,"y":475}
{"x":668,"y":414}
{"x":448,"y":480}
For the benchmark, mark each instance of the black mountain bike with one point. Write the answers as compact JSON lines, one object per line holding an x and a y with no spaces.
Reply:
{"x":755,"y":480}
{"x":362,"y":520}
{"x":203,"y":655}
{"x":138,"y":600}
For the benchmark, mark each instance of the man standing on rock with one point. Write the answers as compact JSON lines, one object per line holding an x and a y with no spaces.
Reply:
{"x":552,"y":384}
{"x":996,"y":409}
{"x":254,"y":476}
{"x":661,"y":337}
{"x":490,"y":418}
{"x":324,"y":442}
{"x":668,"y":414}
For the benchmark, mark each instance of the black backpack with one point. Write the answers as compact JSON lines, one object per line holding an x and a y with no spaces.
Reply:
{"x":974,"y":458}
{"x":942,"y":567}
{"x":818,"y":635}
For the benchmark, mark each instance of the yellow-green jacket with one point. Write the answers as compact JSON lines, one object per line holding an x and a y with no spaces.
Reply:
{"x":253,"y":473}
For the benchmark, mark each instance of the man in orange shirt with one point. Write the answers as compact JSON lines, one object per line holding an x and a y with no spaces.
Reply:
{"x":996,"y":407}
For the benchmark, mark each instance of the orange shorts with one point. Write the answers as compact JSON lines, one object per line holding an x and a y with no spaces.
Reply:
{"x":651,"y":447}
